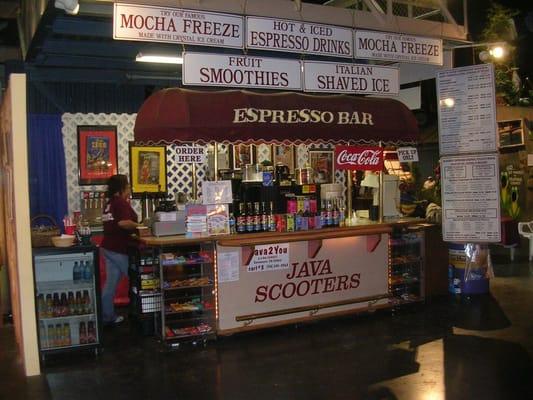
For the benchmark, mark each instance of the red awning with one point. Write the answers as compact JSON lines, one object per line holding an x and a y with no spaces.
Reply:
{"x":235,"y":116}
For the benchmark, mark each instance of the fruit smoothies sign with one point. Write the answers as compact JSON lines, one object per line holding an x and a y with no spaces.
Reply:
{"x":202,"y":69}
{"x":174,"y":25}
{"x":274,"y":34}
{"x":361,"y":158}
{"x":335,"y":274}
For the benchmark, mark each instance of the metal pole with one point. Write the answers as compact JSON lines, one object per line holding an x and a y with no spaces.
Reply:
{"x":348,"y":213}
{"x":193,"y":180}
{"x":380,"y":191}
{"x":215,"y":163}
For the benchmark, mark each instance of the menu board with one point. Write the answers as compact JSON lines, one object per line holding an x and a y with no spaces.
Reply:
{"x":467,"y":110}
{"x":470,"y":198}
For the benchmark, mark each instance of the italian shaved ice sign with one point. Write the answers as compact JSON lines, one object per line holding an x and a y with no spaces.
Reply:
{"x":269,"y":257}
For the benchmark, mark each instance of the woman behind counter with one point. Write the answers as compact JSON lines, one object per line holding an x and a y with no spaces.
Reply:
{"x":120,"y":221}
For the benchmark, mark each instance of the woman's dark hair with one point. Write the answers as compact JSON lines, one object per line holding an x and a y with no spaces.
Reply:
{"x":116,"y":184}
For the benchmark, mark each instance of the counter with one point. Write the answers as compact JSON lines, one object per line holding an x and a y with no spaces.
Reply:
{"x":272,"y":278}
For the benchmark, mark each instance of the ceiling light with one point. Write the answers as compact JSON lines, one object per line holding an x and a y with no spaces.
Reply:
{"x":161,"y":59}
{"x":497,"y":52}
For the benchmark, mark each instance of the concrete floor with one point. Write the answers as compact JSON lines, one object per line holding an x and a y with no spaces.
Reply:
{"x":468,"y":348}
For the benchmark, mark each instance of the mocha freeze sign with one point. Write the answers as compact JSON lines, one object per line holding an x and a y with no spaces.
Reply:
{"x":308,"y":278}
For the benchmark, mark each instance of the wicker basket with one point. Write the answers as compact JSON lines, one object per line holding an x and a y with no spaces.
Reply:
{"x":41,"y":236}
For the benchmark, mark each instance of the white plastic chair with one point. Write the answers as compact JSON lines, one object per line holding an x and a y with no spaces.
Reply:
{"x":525,"y":229}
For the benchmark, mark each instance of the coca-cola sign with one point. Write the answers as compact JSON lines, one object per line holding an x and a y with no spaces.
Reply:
{"x":362,"y":158}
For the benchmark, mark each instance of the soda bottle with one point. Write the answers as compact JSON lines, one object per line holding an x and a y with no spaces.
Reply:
{"x":49,"y":306}
{"x":67,"y":340}
{"x":76,"y":272}
{"x":51,"y":336}
{"x":79,"y":304}
{"x":83,"y":333}
{"x":241,"y":219}
{"x":91,"y":332}
{"x":87,"y":309}
{"x":250,"y":219}
{"x":43,"y":340}
{"x":59,"y":335}
{"x":71,"y":304}
{"x":271,"y":219}
{"x":232,"y":228}
{"x":265,"y":227}
{"x":56,"y":306}
{"x":335,"y":216}
{"x":88,"y":271}
{"x":329,"y":214}
{"x":298,"y":221}
{"x":63,"y":305}
{"x":257,"y":217}
{"x":41,"y":306}
{"x":305,"y":216}
{"x":323,"y":215}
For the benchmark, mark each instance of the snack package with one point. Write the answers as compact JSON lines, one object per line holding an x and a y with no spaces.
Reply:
{"x":478,"y":262}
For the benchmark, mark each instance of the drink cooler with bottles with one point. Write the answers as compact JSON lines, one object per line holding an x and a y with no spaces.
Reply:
{"x":67,"y":299}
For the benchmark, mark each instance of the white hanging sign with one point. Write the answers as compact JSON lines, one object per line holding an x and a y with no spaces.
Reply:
{"x":471,"y":198}
{"x":190,"y":154}
{"x":298,"y":37}
{"x":397,"y":47}
{"x":407,"y":154}
{"x":202,"y":69}
{"x":176,"y":25}
{"x":269,"y":257}
{"x":320,"y":76}
{"x":467,"y":110}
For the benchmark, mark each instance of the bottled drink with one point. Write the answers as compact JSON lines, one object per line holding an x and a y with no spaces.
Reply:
{"x":83,"y":333}
{"x":79,"y":303}
{"x":76,"y":272}
{"x":59,"y":336}
{"x":88,"y":271}
{"x":298,"y":221}
{"x":41,"y":306}
{"x":271,"y":219}
{"x":257,"y":217}
{"x":342,"y":215}
{"x":335,"y":214}
{"x":51,"y":336}
{"x":67,"y":340}
{"x":323,"y":215}
{"x":329,"y":214}
{"x":232,"y":228}
{"x":241,"y":219}
{"x":264,"y":218}
{"x":43,"y":337}
{"x":49,"y":306}
{"x":91,"y":332}
{"x":87,"y":306}
{"x":71,"y":304}
{"x":56,"y":308}
{"x":250,"y":219}
{"x":63,"y":305}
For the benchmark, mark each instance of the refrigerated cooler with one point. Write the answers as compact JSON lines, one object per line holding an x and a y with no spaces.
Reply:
{"x":67,"y":299}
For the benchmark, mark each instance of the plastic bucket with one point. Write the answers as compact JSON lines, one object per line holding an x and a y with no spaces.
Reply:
{"x":477,"y":283}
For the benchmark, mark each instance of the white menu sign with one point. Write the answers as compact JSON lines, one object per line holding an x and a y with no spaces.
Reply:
{"x":298,"y":37}
{"x":228,"y":266}
{"x":320,"y":76}
{"x":202,"y":69}
{"x":397,"y":47}
{"x":175,"y":25}
{"x":467,"y":110}
{"x":217,"y":192}
{"x":470,"y":198}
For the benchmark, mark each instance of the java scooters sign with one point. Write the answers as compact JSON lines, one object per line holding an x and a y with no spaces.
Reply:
{"x":175,"y":25}
{"x":359,"y":158}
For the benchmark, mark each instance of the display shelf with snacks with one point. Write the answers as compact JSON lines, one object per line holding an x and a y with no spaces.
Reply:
{"x":67,"y":299}
{"x":406,"y":266}
{"x":188,"y":298}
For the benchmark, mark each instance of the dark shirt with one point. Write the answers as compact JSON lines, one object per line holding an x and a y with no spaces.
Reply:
{"x":116,"y":238}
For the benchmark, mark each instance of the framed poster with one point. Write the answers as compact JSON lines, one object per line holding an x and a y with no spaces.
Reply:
{"x":242,"y":154}
{"x":322,"y":163}
{"x":285,"y":154}
{"x":97,"y":154}
{"x":148,"y":170}
{"x":511,"y":133}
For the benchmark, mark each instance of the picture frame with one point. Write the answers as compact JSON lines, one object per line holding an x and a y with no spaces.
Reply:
{"x":97,"y":154}
{"x":148,"y":170}
{"x":323,"y":164}
{"x":285,"y":154}
{"x":511,"y":133}
{"x":242,"y":154}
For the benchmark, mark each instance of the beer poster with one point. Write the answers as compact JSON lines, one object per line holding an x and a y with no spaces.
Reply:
{"x":148,"y":171}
